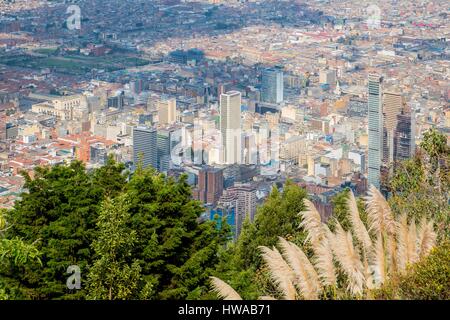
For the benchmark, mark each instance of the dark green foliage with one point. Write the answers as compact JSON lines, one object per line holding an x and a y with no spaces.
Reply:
{"x":17,"y":252}
{"x":435,"y":146}
{"x":132,"y":240}
{"x":14,"y":252}
{"x":59,"y":210}
{"x":428,"y":279}
{"x":115,"y":273}
{"x":176,"y":253}
{"x":110,"y":178}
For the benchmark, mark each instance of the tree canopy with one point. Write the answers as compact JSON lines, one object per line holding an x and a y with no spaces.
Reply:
{"x":74,"y":216}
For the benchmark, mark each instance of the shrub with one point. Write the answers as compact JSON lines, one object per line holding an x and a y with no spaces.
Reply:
{"x":429,"y":279}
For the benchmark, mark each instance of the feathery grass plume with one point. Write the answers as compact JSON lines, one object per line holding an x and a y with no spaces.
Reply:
{"x":312,"y":222}
{"x":359,"y":228}
{"x":323,"y":259}
{"x":280,"y":272}
{"x":379,"y":213}
{"x":307,"y":279}
{"x":426,"y":237}
{"x":223,"y":290}
{"x":379,"y":261}
{"x":349,"y":259}
{"x":402,"y":242}
{"x":412,"y":242}
{"x":368,"y":274}
{"x":391,"y":248}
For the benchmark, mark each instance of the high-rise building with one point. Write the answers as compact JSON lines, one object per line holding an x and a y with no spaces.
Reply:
{"x":392,"y":106}
{"x":145,"y":146}
{"x":98,"y":153}
{"x":272,"y":85}
{"x":391,"y":131}
{"x":230,"y":126}
{"x":210,"y":185}
{"x":167,"y":111}
{"x":245,"y":196}
{"x":404,"y":138}
{"x":167,"y":139}
{"x":116,"y":101}
{"x":375,"y":129}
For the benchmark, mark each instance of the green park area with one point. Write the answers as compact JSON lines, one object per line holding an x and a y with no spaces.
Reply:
{"x":74,"y":64}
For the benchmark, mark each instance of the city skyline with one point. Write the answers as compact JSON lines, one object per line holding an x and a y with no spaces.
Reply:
{"x":198,"y":133}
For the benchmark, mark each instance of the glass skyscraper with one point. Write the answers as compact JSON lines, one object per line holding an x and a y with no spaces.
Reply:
{"x":399,"y":129}
{"x":375,"y":116}
{"x":272,"y":86}
{"x":145,"y":147}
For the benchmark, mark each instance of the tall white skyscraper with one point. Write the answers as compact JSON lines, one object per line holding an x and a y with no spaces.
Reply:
{"x":167,"y":111}
{"x":230,"y":126}
{"x":391,"y":130}
{"x":375,"y":114}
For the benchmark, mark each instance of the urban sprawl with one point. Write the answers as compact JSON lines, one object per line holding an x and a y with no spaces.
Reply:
{"x":237,"y":95}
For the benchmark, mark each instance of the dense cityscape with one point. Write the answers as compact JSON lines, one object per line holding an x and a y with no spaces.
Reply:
{"x":233,"y":97}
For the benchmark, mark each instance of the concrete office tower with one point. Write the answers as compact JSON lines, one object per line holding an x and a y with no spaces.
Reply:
{"x":145,"y":147}
{"x":230,"y":126}
{"x":167,"y":111}
{"x":375,"y":129}
{"x":272,"y":89}
{"x":210,"y":185}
